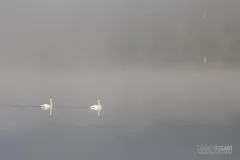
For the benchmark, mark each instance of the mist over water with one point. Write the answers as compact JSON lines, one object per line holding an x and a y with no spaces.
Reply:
{"x":143,"y":60}
{"x":146,"y":113}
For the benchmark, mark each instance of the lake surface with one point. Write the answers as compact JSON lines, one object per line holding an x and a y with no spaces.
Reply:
{"x":154,"y":113}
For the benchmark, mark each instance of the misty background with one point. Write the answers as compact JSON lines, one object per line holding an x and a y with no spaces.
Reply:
{"x":71,"y":34}
{"x":143,"y":59}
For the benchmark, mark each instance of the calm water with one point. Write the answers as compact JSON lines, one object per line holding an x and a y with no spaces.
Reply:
{"x":147,"y":114}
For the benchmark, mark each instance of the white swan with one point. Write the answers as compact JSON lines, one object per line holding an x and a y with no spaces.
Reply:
{"x":97,"y":107}
{"x":47,"y":107}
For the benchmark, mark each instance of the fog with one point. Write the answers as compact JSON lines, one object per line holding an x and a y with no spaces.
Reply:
{"x":143,"y":59}
{"x":73,"y":34}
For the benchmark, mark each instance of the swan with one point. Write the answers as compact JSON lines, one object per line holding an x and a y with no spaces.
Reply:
{"x":97,"y":107}
{"x":47,"y":107}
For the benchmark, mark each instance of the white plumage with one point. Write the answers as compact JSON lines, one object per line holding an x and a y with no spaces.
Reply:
{"x":47,"y":107}
{"x":97,"y":107}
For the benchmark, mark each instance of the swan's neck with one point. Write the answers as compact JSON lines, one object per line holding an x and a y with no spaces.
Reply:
{"x":51,"y":102}
{"x":99,"y":103}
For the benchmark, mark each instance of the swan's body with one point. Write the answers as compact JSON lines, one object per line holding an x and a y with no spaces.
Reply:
{"x":97,"y":107}
{"x":47,"y":107}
